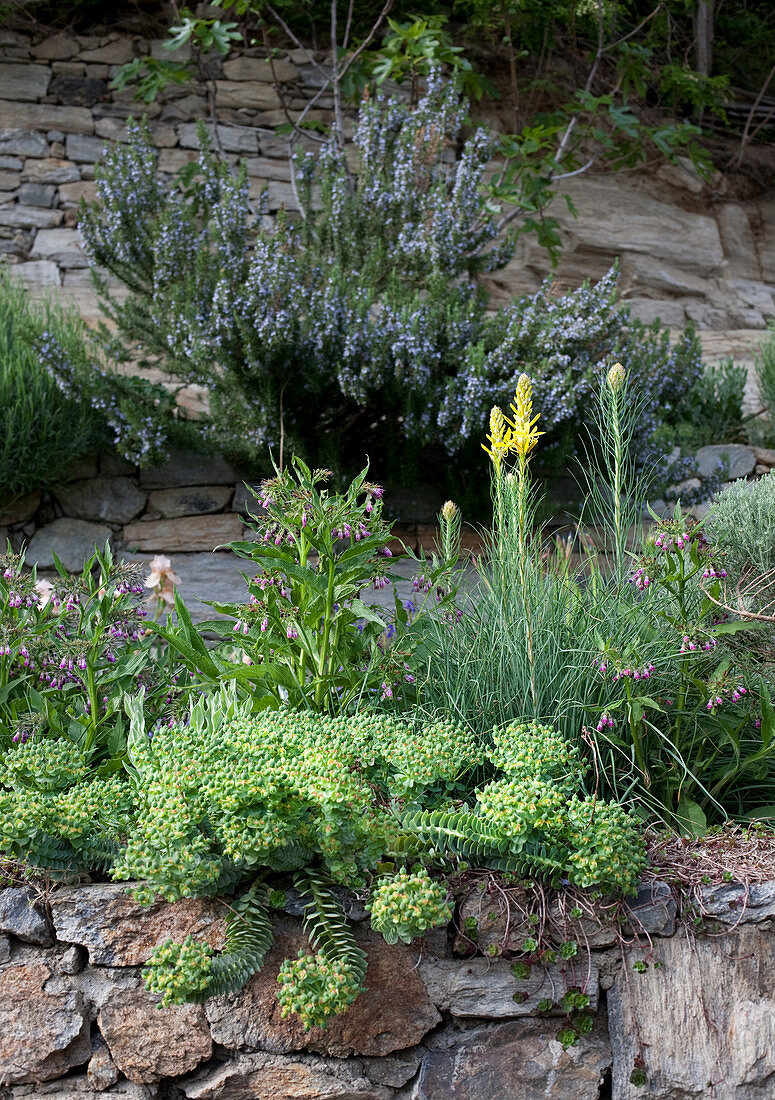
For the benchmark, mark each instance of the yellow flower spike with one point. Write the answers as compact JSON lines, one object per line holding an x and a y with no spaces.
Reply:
{"x":500,"y":436}
{"x":524,"y":435}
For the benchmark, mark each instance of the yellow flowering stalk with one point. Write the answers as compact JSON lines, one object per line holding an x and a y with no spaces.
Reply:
{"x":500,"y":438}
{"x":524,"y":435}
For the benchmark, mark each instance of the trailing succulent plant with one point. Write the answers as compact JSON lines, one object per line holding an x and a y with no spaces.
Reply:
{"x":245,"y":804}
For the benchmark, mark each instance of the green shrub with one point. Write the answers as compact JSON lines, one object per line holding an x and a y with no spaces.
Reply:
{"x":42,"y":432}
{"x":230,"y":800}
{"x":742,"y":524}
{"x":371,"y":304}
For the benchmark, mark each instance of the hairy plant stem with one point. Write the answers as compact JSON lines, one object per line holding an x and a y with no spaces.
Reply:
{"x":523,"y":489}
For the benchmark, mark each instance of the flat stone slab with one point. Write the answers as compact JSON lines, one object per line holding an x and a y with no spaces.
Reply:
{"x":72,"y":540}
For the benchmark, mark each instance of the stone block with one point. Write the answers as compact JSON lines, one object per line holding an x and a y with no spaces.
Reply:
{"x":21,"y":143}
{"x":197,"y":500}
{"x":46,"y":116}
{"x":117,"y":52}
{"x":59,"y":47}
{"x":172,"y":160}
{"x":652,"y":911}
{"x":117,"y":931}
{"x":639,"y":271}
{"x":39,"y":273}
{"x":62,"y":246}
{"x":486,"y":988}
{"x":234,"y":139}
{"x":260,"y":69}
{"x":148,"y":1043}
{"x":43,"y":1034}
{"x":765,"y":455}
{"x":102,"y":1071}
{"x":682,"y":175}
{"x":37,"y":194}
{"x":78,"y":91}
{"x":739,"y":458}
{"x":29,"y":217}
{"x":184,"y":535}
{"x":50,"y":170}
{"x":649,"y":310}
{"x":72,"y":540}
{"x":738,"y":241}
{"x":189,"y":468}
{"x":19,"y":917}
{"x":521,"y":1060}
{"x":253,"y":95}
{"x":733,"y":903}
{"x":702,"y":1020}
{"x":9,"y":181}
{"x":24,"y":82}
{"x":10,"y":164}
{"x":84,"y":148}
{"x":72,"y":193}
{"x":278,"y":1077}
{"x":265,"y":168}
{"x":20,"y":509}
{"x":377,"y":1024}
{"x":112,"y":500}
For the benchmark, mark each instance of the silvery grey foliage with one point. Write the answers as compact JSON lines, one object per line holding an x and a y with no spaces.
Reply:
{"x":364,"y":309}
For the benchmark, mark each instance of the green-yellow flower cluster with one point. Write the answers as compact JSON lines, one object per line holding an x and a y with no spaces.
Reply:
{"x":406,"y":905}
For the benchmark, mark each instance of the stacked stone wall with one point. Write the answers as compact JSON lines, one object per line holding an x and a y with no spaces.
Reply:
{"x":440,"y":1019}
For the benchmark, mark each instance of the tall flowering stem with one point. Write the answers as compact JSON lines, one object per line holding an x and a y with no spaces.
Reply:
{"x":615,"y":396}
{"x":517,"y":436}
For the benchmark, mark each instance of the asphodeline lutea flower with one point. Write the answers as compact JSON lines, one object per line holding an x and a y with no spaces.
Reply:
{"x":524,"y":434}
{"x":616,"y":376}
{"x":500,"y":437}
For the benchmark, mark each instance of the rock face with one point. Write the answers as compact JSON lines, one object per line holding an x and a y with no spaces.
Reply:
{"x":191,"y":533}
{"x":377,"y":1024}
{"x":719,"y":1022}
{"x":72,"y":540}
{"x":42,"y":1034}
{"x":114,"y":500}
{"x":118,"y":932}
{"x":274,"y":1077}
{"x":148,"y":1043}
{"x":19,"y":917}
{"x":740,"y":460}
{"x":520,"y":1060}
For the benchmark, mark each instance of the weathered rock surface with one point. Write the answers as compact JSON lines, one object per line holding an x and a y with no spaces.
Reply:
{"x":196,"y":500}
{"x":377,"y":1024}
{"x":21,"y":919}
{"x":42,"y":1035}
{"x":276,"y":1077}
{"x":189,"y":468}
{"x":79,"y":1087}
{"x":485,"y":987}
{"x":118,"y":932}
{"x":521,"y":1060}
{"x":700,"y":1031}
{"x":148,"y":1043}
{"x":19,"y":510}
{"x":113,"y":500}
{"x":184,"y":535}
{"x":740,"y":459}
{"x":736,"y":904}
{"x":72,"y":540}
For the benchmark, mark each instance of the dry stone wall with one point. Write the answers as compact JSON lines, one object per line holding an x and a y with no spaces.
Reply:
{"x":687,"y":251}
{"x":435,"y":1022}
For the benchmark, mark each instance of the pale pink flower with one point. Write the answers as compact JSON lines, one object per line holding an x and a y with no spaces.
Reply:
{"x":162,"y":580}
{"x":46,"y":594}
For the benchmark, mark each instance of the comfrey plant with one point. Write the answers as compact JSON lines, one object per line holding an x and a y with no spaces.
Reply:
{"x":370,"y":301}
{"x":70,"y":649}
{"x":307,"y":636}
{"x":679,"y":722}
